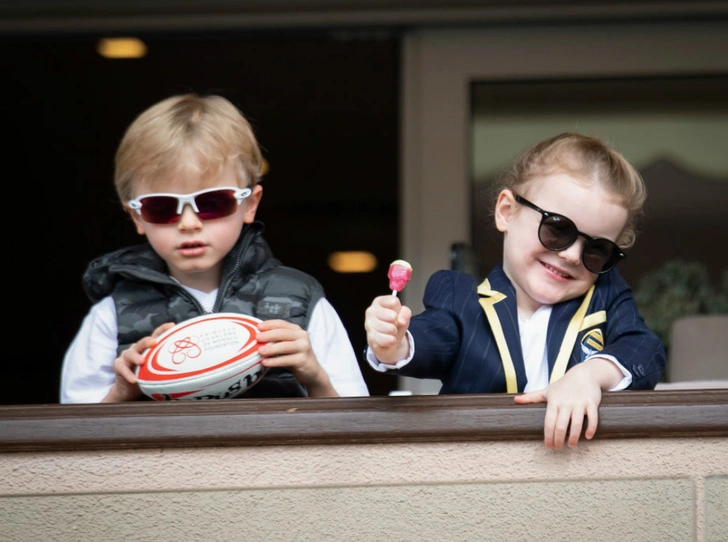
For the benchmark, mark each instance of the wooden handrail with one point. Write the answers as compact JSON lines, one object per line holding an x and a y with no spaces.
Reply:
{"x":423,"y":418}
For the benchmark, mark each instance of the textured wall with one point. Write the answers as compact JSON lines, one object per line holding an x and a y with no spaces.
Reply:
{"x":642,"y":490}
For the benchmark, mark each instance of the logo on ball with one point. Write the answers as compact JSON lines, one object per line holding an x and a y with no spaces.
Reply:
{"x":209,"y":357}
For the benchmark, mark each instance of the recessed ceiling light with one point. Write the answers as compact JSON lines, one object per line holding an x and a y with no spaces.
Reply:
{"x":352,"y":261}
{"x":121,"y":48}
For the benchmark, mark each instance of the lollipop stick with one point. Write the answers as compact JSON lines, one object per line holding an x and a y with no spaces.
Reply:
{"x":394,"y":293}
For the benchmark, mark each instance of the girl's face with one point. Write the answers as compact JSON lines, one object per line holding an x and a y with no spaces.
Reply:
{"x":541,"y":276}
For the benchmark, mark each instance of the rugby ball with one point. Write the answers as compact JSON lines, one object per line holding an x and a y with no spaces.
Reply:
{"x":214,"y":356}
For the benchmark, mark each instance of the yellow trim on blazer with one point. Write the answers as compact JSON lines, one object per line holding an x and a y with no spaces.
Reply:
{"x":491,"y":298}
{"x":567,"y":345}
{"x":594,"y":319}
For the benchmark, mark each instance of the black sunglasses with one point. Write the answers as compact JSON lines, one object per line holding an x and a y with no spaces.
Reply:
{"x":556,"y":232}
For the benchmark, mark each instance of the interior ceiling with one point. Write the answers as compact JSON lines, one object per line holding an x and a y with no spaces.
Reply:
{"x":44,"y":16}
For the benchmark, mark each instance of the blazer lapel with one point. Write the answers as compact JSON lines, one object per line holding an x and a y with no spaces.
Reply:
{"x":563,"y":331}
{"x":498,"y":299}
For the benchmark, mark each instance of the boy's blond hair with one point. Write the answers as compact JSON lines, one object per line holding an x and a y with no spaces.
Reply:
{"x":186,"y":133}
{"x":589,"y":159}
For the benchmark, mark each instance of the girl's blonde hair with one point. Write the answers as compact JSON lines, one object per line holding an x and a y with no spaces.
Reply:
{"x":586,"y":158}
{"x":186,"y":133}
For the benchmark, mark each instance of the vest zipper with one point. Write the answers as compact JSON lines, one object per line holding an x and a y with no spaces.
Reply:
{"x":227,"y":279}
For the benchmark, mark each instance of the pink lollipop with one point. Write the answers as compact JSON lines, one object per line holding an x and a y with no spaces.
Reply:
{"x":399,"y":275}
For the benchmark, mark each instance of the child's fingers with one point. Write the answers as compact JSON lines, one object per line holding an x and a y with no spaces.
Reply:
{"x":380,"y":314}
{"x":561,"y":428}
{"x":292,"y":361}
{"x":282,"y":338}
{"x":403,"y":317}
{"x":123,"y":368}
{"x":381,"y":334}
{"x":381,"y":341}
{"x":387,"y":309}
{"x":125,"y":365}
{"x":267,"y":325}
{"x":577,"y":423}
{"x":283,"y":348}
{"x":280,"y":331}
{"x":592,"y":414}
{"x":532,"y":397}
{"x":140,"y":347}
{"x":386,"y":320}
{"x":161,"y":329}
{"x":384,"y":327}
{"x":549,"y":426}
{"x":387,"y":302}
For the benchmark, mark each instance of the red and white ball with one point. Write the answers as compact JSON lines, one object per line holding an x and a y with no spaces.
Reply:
{"x":214,"y":356}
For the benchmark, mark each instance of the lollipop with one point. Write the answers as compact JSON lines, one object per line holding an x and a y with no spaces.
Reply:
{"x":399,"y":275}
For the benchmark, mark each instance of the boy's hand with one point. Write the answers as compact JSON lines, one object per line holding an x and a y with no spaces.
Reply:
{"x":573,"y":397}
{"x":125,"y":387}
{"x":288,"y":345}
{"x":386,"y":325}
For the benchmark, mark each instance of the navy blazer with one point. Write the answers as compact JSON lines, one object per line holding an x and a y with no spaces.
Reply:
{"x":455,"y":341}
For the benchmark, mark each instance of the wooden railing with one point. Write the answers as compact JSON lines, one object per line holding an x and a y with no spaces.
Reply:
{"x":345,"y":421}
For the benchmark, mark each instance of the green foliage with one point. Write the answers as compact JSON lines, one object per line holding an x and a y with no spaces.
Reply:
{"x":679,"y":288}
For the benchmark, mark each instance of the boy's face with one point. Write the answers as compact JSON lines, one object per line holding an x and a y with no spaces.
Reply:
{"x":541,"y":276}
{"x":194,"y":248}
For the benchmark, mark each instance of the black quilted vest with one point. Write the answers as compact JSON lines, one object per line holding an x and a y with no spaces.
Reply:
{"x":253,"y":283}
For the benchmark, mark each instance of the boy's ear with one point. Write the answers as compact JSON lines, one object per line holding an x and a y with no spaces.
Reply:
{"x":251,"y":203}
{"x":505,"y":209}
{"x":138,"y":223}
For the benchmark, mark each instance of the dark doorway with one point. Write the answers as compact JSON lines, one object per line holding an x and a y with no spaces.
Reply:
{"x":324,"y":107}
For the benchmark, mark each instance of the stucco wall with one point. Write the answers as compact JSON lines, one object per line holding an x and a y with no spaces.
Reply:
{"x":629,"y":489}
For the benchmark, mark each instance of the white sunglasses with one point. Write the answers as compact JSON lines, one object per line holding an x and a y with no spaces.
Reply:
{"x":209,"y":204}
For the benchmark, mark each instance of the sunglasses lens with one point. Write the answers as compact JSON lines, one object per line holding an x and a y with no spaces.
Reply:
{"x":557,"y":232}
{"x":211,"y":205}
{"x":600,"y":255}
{"x":216,"y":204}
{"x":159,"y":209}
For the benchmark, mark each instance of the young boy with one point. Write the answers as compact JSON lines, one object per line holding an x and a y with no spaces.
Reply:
{"x":555,"y":319}
{"x":187,"y":172}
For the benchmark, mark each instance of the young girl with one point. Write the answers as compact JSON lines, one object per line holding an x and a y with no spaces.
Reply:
{"x":555,"y":320}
